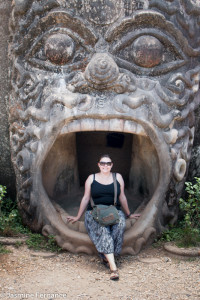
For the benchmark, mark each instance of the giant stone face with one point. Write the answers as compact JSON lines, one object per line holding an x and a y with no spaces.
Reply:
{"x":91,"y":77}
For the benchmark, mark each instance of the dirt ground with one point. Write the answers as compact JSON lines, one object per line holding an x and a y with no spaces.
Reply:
{"x":152,"y":275}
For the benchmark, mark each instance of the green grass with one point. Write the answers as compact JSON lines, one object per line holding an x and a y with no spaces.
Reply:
{"x":182,"y":237}
{"x":37,"y":241}
{"x":11,"y":225}
{"x":3,"y":250}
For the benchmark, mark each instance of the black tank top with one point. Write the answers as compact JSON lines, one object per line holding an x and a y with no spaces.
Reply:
{"x":104,"y":194}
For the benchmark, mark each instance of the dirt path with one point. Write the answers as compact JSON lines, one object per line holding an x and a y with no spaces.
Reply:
{"x":152,"y":275}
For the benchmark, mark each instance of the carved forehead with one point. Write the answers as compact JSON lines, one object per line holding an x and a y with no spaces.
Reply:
{"x":110,"y":18}
{"x":105,"y":12}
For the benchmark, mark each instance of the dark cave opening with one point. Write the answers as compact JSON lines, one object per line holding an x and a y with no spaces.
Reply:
{"x":74,"y":156}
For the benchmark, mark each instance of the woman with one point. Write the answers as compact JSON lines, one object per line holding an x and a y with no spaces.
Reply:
{"x":107,"y":239}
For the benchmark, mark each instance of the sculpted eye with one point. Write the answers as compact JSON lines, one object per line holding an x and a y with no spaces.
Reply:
{"x":147,"y":51}
{"x":150,"y":53}
{"x":59,"y":49}
{"x":56,"y":50}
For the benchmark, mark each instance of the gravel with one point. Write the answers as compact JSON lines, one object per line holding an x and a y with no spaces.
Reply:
{"x":152,"y":275}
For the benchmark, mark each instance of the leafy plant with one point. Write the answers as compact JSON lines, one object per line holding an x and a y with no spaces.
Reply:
{"x":10,"y":220}
{"x":38,"y":242}
{"x":172,"y":234}
{"x":11,"y":225}
{"x":187,"y":232}
{"x":2,"y":194}
{"x":191,"y":209}
{"x":191,"y":205}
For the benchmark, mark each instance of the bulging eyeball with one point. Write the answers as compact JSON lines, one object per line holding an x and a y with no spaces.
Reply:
{"x":59,"y":48}
{"x":147,"y":51}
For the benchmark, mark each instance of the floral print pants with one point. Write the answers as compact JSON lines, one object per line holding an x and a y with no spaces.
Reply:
{"x":107,"y":239}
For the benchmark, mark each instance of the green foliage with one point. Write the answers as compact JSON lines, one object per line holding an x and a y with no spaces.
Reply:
{"x":187,"y":232}
{"x":18,"y":244}
{"x":2,"y":194}
{"x":38,"y":242}
{"x":190,"y":238}
{"x":3,"y":250}
{"x":173,"y":234}
{"x":10,"y":220}
{"x":11,"y":225}
{"x":182,"y":236}
{"x":191,"y":205}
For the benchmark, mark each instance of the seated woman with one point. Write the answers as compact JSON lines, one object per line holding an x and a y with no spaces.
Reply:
{"x":107,"y":239}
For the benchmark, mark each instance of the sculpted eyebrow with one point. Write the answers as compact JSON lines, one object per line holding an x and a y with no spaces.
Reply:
{"x":150,"y":21}
{"x":62,"y":20}
{"x":75,"y":24}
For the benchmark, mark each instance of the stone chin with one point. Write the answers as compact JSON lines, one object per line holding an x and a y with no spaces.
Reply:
{"x":80,"y":90}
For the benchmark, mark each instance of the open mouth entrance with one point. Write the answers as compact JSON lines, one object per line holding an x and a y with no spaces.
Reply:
{"x":74,"y":156}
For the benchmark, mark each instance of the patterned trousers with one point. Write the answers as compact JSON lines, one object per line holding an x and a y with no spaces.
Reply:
{"x":107,"y":239}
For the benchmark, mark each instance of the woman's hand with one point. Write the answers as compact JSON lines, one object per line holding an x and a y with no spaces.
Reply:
{"x":72,"y":219}
{"x":134,"y":216}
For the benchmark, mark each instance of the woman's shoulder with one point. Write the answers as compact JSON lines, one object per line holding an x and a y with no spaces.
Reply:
{"x":91,"y":177}
{"x":119,"y":177}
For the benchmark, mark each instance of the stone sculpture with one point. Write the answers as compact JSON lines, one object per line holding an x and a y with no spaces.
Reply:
{"x":98,"y":67}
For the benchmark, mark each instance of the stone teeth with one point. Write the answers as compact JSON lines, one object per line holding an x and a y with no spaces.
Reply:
{"x":34,"y":146}
{"x":102,"y":125}
{"x":171,"y":136}
{"x":132,"y":127}
{"x":117,"y":125}
{"x":87,"y":125}
{"x":73,"y":126}
{"x":180,"y":169}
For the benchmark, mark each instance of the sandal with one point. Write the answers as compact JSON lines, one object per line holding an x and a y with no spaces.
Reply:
{"x":114,"y":275}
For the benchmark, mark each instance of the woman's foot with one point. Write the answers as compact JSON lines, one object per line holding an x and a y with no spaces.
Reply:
{"x":113,"y":268}
{"x":114,"y":275}
{"x":104,"y":261}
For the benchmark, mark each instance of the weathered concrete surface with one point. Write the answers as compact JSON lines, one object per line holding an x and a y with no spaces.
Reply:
{"x":125,"y":67}
{"x":191,"y":252}
{"x":7,"y":176}
{"x":71,"y":76}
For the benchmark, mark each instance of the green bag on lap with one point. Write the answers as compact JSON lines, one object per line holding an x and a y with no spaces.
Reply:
{"x":106,"y":214}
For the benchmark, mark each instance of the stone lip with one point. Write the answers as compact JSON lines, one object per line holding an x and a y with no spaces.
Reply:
{"x":189,"y":252}
{"x":12,"y":240}
{"x":43,"y":254}
{"x":150,"y":260}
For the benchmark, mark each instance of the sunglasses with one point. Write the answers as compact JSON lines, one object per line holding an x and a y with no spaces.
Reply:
{"x":103,"y":163}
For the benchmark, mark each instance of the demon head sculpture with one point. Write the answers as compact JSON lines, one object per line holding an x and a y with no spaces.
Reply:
{"x":99,"y":76}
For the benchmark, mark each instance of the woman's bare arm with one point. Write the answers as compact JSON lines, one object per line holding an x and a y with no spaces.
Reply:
{"x":84,"y":202}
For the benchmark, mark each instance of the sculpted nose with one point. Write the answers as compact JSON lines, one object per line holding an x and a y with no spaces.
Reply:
{"x":102,"y":71}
